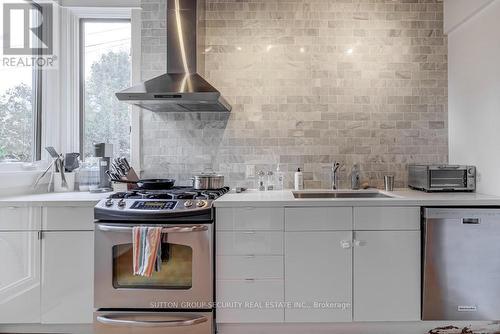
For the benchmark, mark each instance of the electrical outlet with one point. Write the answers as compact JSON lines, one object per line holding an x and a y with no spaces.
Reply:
{"x":250,"y":172}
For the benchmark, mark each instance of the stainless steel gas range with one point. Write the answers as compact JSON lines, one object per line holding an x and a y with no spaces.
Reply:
{"x":175,"y":300}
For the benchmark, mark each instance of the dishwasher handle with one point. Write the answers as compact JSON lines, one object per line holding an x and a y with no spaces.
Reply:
{"x":471,"y":221}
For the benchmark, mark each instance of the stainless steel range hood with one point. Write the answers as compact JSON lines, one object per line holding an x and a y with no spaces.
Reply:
{"x":181,"y":89}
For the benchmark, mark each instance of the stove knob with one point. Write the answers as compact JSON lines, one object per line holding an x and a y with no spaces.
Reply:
{"x":109,"y":202}
{"x":188,"y":204}
{"x":122,"y":203}
{"x":201,"y":203}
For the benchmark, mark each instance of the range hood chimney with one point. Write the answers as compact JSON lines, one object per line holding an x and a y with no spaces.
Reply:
{"x":181,"y":89}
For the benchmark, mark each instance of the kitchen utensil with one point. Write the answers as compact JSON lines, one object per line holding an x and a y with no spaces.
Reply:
{"x":43,"y":174}
{"x":64,"y":183}
{"x":207,"y":181}
{"x":52,"y":151}
{"x":71,"y":161}
{"x":389,"y":182}
{"x":150,"y":184}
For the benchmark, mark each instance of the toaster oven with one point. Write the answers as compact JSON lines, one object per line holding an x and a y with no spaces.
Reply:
{"x":434,"y":178}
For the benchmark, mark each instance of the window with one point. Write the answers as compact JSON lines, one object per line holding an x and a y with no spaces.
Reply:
{"x":20,"y":109}
{"x":19,"y":115}
{"x":105,"y":68}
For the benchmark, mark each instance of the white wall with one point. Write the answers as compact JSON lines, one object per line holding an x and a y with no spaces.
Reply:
{"x":457,"y":12}
{"x":474,"y":94}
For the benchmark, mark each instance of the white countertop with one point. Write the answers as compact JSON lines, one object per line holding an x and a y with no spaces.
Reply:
{"x":403,"y":197}
{"x":54,"y":199}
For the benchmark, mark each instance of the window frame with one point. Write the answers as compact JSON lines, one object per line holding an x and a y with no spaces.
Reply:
{"x":81,"y":72}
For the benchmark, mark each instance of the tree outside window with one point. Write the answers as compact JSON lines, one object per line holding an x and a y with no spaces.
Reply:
{"x":107,"y":70}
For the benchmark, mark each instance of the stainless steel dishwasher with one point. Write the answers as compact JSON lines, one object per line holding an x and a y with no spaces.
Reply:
{"x":461,"y":264}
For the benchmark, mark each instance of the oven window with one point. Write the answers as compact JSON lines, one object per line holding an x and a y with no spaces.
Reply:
{"x":448,"y":178}
{"x":176,"y":269}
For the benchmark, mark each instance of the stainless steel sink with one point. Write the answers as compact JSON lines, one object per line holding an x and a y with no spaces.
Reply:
{"x":339,"y":194}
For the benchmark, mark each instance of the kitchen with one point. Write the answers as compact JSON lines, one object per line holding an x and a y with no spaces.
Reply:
{"x":384,"y":85}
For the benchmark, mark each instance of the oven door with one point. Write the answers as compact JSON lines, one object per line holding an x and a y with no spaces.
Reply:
{"x":448,"y":178}
{"x":184,"y":282}
{"x":152,"y":322}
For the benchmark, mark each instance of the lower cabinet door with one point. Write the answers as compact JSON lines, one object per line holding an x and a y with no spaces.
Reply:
{"x":20,"y":277}
{"x":249,"y":301}
{"x":67,"y":277}
{"x":318,"y":276}
{"x":387,"y":276}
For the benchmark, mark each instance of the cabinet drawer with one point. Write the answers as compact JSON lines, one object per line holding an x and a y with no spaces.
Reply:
{"x":318,"y":219}
{"x":19,"y":218}
{"x":387,"y":218}
{"x":68,"y":218}
{"x":244,"y":267}
{"x":250,"y":301}
{"x":269,"y":219}
{"x":249,"y":243}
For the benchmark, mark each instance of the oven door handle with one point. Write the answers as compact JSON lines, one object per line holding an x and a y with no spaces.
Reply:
{"x":109,"y":320}
{"x":173,"y":229}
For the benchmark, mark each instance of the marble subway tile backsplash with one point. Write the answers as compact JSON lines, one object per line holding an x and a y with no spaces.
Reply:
{"x":310,"y":82}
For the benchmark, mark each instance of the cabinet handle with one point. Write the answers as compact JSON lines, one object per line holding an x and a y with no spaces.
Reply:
{"x":346,"y":244}
{"x":250,"y":280}
{"x":360,"y":243}
{"x":250,"y":256}
{"x":249,"y":232}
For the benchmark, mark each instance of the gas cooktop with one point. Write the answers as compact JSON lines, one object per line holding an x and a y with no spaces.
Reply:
{"x":154,"y":205}
{"x":173,"y":193}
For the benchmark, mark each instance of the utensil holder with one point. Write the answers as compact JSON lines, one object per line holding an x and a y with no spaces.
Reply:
{"x":389,"y":182}
{"x":70,"y":180}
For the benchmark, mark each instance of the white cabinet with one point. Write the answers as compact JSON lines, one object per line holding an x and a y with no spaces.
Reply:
{"x":387,"y":276}
{"x":251,"y":300}
{"x":386,"y":218}
{"x":20,"y":277}
{"x":67,"y":277}
{"x":250,"y":267}
{"x":328,"y":264}
{"x":250,"y":218}
{"x":68,"y":218}
{"x":249,"y":271}
{"x":318,"y":276}
{"x":19,"y":218}
{"x":249,"y":243}
{"x":318,"y":219}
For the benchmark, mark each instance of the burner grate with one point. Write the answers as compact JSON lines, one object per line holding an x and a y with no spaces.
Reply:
{"x":173,"y":193}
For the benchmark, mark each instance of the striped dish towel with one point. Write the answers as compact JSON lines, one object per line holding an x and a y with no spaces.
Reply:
{"x":146,"y":250}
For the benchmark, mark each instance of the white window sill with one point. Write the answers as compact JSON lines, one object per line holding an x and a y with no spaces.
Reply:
{"x":18,"y":177}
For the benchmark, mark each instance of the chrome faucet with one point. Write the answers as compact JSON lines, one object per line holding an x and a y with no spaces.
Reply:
{"x":336,"y":166}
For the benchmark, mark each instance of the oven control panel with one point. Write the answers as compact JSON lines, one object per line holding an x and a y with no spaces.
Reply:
{"x":154,"y":205}
{"x":151,"y":209}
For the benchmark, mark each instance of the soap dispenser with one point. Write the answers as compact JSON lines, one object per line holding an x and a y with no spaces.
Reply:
{"x":299,"y":180}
